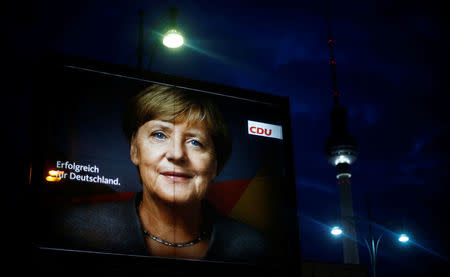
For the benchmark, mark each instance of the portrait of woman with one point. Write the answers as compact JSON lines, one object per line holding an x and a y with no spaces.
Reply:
{"x":178,"y":142}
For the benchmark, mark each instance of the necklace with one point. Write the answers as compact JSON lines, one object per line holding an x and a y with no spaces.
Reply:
{"x":174,"y":244}
{"x":202,"y":236}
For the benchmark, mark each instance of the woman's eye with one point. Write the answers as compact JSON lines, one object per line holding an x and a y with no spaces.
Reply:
{"x":195,"y":143}
{"x":158,"y":135}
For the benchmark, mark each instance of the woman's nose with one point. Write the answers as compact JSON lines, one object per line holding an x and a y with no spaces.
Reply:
{"x":176,"y":151}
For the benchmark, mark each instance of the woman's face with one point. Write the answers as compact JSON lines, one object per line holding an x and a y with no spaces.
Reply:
{"x":176,"y":161}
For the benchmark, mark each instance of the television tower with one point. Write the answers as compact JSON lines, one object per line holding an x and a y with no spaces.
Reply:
{"x":342,"y":150}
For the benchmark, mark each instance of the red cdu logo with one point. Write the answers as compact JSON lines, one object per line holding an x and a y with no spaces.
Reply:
{"x":265,"y":129}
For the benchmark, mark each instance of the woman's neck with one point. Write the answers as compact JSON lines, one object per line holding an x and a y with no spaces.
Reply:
{"x":172,"y":222}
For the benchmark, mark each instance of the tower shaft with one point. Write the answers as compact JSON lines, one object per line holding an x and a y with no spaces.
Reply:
{"x":350,"y":245}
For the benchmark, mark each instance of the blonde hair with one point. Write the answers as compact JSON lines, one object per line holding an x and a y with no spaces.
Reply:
{"x":175,"y":104}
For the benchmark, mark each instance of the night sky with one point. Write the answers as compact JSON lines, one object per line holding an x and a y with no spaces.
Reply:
{"x":392,"y":73}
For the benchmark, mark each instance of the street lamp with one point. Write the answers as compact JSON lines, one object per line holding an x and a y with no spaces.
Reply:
{"x":372,"y":246}
{"x":172,"y":37}
{"x":371,"y":242}
{"x":336,"y":231}
{"x":403,"y":238}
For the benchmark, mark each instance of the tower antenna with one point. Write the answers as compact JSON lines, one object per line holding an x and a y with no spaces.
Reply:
{"x":332,"y":61}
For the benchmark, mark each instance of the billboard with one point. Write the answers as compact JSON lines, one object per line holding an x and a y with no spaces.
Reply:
{"x":160,"y":168}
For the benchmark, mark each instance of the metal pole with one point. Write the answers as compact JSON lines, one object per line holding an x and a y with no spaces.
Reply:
{"x":140,"y":49}
{"x":372,"y":247}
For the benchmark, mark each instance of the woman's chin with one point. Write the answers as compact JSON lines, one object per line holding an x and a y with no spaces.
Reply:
{"x":178,"y":198}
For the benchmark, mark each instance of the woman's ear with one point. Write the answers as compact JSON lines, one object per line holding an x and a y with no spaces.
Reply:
{"x":134,"y":152}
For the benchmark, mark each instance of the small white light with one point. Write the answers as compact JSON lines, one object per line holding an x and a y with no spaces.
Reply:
{"x":403,"y":238}
{"x":336,"y":231}
{"x":342,"y":160}
{"x":348,"y":175}
{"x":173,"y":39}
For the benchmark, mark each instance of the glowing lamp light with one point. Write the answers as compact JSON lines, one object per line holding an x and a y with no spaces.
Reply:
{"x":403,"y":238}
{"x":53,"y":179}
{"x":173,"y":39}
{"x":54,"y":176}
{"x":336,"y":231}
{"x":55,"y":173}
{"x":342,"y":160}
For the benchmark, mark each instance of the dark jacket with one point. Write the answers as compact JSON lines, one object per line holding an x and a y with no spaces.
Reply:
{"x":115,"y":227}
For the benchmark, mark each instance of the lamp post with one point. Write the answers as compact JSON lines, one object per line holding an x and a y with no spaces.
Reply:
{"x":171,"y":38}
{"x":372,"y":246}
{"x":372,"y":243}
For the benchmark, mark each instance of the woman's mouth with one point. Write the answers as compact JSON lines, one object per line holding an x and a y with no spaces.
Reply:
{"x":176,"y":176}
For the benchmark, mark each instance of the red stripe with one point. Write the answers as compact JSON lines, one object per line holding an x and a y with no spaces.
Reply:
{"x":225,"y":195}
